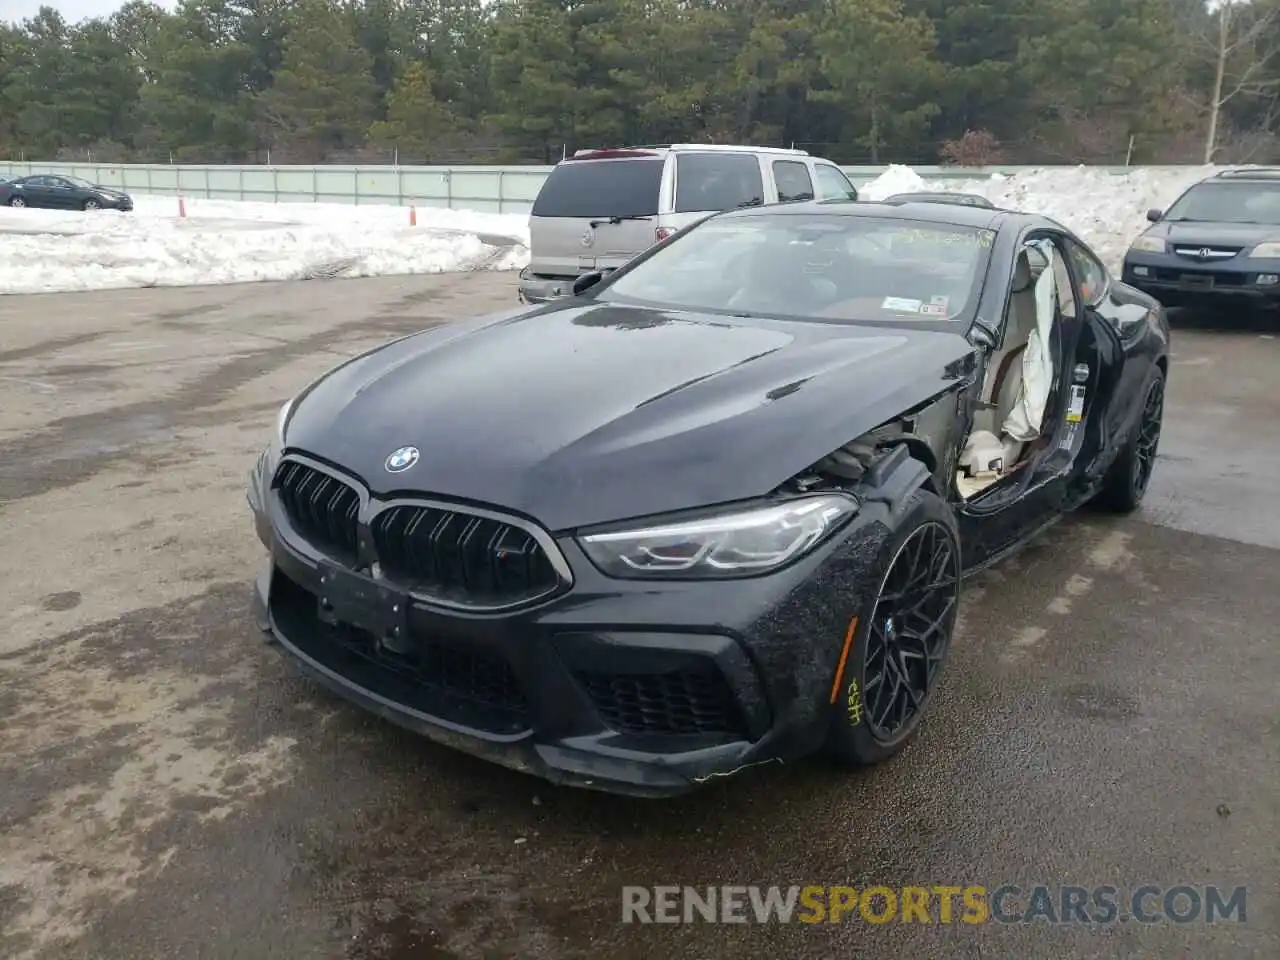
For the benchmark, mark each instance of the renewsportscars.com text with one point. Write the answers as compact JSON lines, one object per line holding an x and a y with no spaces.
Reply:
{"x":939,"y":904}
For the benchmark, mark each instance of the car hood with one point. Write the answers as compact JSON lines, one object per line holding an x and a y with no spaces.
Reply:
{"x":1207,"y":234}
{"x":580,"y":413}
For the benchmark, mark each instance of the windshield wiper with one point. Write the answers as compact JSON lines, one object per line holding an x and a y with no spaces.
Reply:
{"x":753,"y":202}
{"x":617,"y":220}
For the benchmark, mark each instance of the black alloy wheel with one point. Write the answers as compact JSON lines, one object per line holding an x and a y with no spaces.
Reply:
{"x":1147,"y":445}
{"x":910,"y":631}
{"x":891,"y":665}
{"x":1126,"y":481}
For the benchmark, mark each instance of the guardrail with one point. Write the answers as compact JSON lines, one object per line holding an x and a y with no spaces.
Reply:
{"x":483,"y":188}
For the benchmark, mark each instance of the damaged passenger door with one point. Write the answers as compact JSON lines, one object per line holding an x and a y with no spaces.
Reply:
{"x":1033,"y":491}
{"x":1116,"y":362}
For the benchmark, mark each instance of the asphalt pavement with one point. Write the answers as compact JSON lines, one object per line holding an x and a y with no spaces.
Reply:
{"x":169,"y":789}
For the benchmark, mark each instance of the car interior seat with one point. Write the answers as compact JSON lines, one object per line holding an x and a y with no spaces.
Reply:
{"x":987,"y":450}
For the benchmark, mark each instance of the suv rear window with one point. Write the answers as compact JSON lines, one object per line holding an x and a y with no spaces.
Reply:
{"x":601,"y":188}
{"x":707,"y":182}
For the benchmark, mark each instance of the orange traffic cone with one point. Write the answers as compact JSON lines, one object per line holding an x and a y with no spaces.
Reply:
{"x":182,"y":206}
{"x":413,"y":216}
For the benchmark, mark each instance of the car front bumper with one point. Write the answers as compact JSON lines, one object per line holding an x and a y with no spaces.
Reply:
{"x":640,"y":688}
{"x":1178,"y":281}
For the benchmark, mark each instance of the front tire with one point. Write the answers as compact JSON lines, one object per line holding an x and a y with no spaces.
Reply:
{"x":92,"y":205}
{"x":1126,"y":482}
{"x":902,"y":637}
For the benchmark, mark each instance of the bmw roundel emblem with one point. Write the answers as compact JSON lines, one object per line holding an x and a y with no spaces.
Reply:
{"x":402,"y":459}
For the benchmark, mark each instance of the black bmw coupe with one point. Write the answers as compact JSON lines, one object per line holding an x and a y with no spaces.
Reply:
{"x":713,"y":510}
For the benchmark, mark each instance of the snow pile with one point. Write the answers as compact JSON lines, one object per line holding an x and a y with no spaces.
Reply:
{"x":1105,"y":210}
{"x":222,"y":241}
{"x":895,"y":179}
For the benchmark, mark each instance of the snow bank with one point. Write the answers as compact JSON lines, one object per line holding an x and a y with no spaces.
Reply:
{"x":225,"y":241}
{"x":1105,"y":210}
{"x":222,"y":241}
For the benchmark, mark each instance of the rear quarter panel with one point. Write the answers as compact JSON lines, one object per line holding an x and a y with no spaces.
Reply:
{"x":1132,"y":333}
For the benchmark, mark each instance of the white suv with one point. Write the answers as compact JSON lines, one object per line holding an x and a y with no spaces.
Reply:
{"x":599,"y":208}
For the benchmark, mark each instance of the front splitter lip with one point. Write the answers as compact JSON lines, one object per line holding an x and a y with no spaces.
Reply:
{"x":653,"y":777}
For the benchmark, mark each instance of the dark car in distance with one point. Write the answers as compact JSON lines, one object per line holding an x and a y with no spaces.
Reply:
{"x":1218,"y":244}
{"x":713,"y":510}
{"x":58,"y":192}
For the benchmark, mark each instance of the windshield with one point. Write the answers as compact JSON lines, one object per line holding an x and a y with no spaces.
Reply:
{"x":601,"y":188}
{"x":814,"y":266}
{"x":1229,"y":203}
{"x":77,"y":182}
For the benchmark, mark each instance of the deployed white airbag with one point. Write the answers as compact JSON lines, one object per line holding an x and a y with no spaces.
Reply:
{"x":1027,"y":416}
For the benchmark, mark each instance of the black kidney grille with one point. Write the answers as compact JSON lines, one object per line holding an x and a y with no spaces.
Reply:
{"x":482,"y":559}
{"x":321,"y":508}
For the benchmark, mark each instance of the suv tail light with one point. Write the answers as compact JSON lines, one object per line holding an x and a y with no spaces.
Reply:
{"x":661,"y":233}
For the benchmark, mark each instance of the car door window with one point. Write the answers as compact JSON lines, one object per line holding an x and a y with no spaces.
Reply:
{"x":833,"y":184}
{"x":793,"y":181}
{"x":1090,"y":274}
{"x":711,"y":182}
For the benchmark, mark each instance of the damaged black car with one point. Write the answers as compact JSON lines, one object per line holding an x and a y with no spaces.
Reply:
{"x":712,"y":511}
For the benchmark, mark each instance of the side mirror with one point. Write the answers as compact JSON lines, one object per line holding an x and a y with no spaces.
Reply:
{"x":1154,"y":215}
{"x":589,"y":280}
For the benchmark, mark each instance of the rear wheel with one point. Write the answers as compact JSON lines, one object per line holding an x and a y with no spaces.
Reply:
{"x":92,"y":205}
{"x":1127,"y":480}
{"x":17,"y":202}
{"x":902,"y":637}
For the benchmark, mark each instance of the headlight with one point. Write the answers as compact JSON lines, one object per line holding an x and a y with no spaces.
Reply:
{"x":1270,"y":249}
{"x":737,"y":544}
{"x":282,"y":418}
{"x":1148,"y":245}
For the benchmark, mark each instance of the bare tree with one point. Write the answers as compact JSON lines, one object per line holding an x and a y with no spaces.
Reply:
{"x":1242,"y":51}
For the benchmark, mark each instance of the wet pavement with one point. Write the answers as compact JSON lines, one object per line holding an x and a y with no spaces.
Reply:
{"x":169,"y":789}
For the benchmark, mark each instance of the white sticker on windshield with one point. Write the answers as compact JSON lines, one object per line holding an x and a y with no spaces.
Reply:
{"x":934,"y":309}
{"x":900,"y":305}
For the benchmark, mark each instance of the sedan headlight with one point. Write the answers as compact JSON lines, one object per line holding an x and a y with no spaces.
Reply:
{"x":270,"y":457}
{"x":1148,"y":245}
{"x":282,"y":418}
{"x":1268,"y":250}
{"x":738,"y":544}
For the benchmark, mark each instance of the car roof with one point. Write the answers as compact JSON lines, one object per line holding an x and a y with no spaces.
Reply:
{"x":1246,"y":174}
{"x":955,"y":214}
{"x":662,"y":149}
{"x":942,"y":196}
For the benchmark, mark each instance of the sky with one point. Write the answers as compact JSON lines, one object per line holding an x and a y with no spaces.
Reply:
{"x":71,"y":10}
